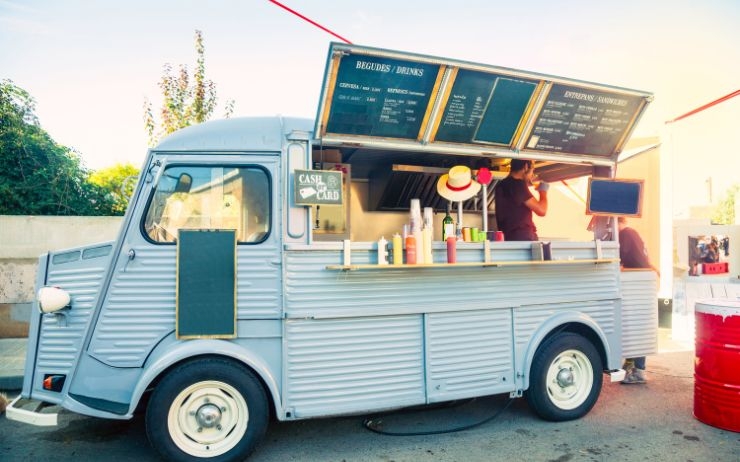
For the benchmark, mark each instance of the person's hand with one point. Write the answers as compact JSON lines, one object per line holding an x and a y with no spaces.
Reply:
{"x":543,"y":187}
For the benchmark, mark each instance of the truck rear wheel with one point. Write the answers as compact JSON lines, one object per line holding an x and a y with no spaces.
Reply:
{"x":210,"y":409}
{"x":566,"y":378}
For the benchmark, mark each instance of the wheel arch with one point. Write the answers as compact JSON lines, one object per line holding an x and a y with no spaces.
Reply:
{"x":577,"y":323}
{"x":161,"y":363}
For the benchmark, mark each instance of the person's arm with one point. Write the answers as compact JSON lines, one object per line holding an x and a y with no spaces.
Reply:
{"x":539,"y":206}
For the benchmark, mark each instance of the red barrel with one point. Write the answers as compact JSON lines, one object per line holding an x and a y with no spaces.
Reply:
{"x":717,"y":364}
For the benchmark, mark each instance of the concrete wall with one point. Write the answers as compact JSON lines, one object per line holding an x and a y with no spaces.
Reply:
{"x":22,"y":240}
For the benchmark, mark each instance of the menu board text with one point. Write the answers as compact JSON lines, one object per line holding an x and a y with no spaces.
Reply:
{"x":582,"y":121}
{"x":380,"y":97}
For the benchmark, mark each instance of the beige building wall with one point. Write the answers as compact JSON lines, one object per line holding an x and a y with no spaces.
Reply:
{"x":566,"y":217}
{"x":24,"y":238}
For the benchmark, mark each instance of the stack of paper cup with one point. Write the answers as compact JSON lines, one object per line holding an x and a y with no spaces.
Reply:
{"x":428,"y":234}
{"x":415,"y":216}
{"x":416,"y":226}
{"x":429,"y":219}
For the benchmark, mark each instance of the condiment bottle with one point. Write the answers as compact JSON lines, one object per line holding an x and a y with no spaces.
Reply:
{"x":410,"y":250}
{"x":397,"y":249}
{"x":382,"y":251}
{"x":451,"y":249}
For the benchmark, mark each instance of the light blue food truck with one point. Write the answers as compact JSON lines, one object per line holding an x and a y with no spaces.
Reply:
{"x":248,"y":279}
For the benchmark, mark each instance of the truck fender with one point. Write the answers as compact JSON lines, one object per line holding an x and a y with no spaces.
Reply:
{"x":176,"y":352}
{"x":551,"y":324}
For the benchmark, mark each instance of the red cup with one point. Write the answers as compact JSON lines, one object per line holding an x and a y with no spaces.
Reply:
{"x":499,"y":235}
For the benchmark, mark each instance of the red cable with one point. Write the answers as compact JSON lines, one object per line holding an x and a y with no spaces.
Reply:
{"x":309,"y":20}
{"x":706,"y":106}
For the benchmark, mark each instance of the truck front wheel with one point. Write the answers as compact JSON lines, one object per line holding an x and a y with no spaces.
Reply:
{"x":209,"y":409}
{"x":566,"y":378}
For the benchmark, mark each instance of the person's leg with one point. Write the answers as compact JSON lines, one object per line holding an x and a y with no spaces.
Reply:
{"x":637,"y":375}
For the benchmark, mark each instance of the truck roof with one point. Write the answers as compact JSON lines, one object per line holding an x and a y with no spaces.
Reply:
{"x":235,"y":135}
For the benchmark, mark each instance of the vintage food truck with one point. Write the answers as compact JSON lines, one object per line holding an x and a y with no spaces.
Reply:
{"x":247,"y":279}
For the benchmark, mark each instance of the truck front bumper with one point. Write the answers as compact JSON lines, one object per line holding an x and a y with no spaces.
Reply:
{"x":16,"y":411}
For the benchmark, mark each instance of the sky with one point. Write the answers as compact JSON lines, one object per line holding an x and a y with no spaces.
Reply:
{"x":91,"y":65}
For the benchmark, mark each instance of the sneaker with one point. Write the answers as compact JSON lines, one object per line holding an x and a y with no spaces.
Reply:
{"x":637,"y":376}
{"x":628,"y":367}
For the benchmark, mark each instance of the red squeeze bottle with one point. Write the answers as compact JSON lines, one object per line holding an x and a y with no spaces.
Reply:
{"x":410,"y":250}
{"x":451,"y":249}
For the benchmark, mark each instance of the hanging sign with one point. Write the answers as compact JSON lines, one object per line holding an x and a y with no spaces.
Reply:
{"x":318,"y":187}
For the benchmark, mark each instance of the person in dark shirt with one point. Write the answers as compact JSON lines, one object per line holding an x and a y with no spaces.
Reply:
{"x":632,"y":251}
{"x":633,"y":254}
{"x":515,"y":203}
{"x":711,"y":254}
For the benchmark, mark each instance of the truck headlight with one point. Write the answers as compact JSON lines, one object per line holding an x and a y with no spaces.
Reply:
{"x":52,"y":299}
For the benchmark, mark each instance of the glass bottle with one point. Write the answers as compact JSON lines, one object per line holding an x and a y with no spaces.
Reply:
{"x":448,"y":225}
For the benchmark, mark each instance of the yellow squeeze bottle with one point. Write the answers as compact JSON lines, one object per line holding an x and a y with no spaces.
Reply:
{"x":397,"y":249}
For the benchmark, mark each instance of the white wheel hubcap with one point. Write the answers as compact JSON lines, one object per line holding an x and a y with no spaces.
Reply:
{"x":570,"y":378}
{"x":208,"y":419}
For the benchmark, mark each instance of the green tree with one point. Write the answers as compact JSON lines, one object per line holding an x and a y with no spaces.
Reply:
{"x":184,"y":103}
{"x":118,"y":182}
{"x":724,"y":214}
{"x":39,"y":176}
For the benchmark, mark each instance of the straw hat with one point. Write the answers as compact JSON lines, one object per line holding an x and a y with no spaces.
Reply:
{"x":458,"y":184}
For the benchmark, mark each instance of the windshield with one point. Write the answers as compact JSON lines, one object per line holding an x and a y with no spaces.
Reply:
{"x":206,"y":197}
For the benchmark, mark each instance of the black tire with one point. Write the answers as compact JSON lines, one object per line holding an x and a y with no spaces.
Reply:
{"x":212,"y":409}
{"x":565,"y":378}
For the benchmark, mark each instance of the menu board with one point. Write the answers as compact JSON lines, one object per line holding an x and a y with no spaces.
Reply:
{"x":378,"y":98}
{"x":614,"y":197}
{"x":508,"y":103}
{"x":465,"y":107}
{"x":381,"y":97}
{"x":483,"y":107}
{"x":583,"y":121}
